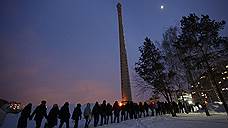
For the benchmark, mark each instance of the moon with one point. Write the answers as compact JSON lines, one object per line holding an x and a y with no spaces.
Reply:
{"x":162,"y":7}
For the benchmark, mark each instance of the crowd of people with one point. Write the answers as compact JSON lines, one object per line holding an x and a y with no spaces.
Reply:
{"x":102,"y":114}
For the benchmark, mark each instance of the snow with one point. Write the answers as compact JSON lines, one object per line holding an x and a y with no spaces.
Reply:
{"x":191,"y":120}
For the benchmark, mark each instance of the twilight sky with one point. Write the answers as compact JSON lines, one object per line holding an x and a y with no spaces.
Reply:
{"x":67,"y":50}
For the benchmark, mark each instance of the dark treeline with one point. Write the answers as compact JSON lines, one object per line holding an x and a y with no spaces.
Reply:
{"x":102,"y":114}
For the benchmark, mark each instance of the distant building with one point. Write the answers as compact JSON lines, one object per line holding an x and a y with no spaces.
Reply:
{"x":203,"y":89}
{"x":186,"y":97}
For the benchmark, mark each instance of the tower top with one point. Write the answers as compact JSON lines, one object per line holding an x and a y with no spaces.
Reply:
{"x":118,"y":5}
{"x":119,"y":8}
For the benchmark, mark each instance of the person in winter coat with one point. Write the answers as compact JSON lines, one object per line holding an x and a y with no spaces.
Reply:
{"x":103,"y":113}
{"x":64,"y":115}
{"x":109,"y":113}
{"x":123,"y":112}
{"x":136,"y":110}
{"x":40,"y":112}
{"x":152,"y":108}
{"x":131,"y":110}
{"x":95,"y":113}
{"x":87,"y":115}
{"x":116,"y":109}
{"x":204,"y":105}
{"x":25,"y":114}
{"x":141,"y":110}
{"x":77,"y":115}
{"x":146,"y":108}
{"x":52,"y":118}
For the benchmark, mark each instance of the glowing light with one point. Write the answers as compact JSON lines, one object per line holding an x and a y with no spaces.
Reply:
{"x":223,"y":78}
{"x":219,"y":82}
{"x":120,"y":104}
{"x":162,"y":7}
{"x":190,"y":102}
{"x":223,"y":89}
{"x":226,"y":66}
{"x":202,"y":77}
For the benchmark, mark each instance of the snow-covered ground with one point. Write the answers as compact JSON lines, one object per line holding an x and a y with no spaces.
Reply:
{"x":192,"y":120}
{"x":218,"y":119}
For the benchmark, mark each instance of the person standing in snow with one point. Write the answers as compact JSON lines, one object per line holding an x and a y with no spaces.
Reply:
{"x":77,"y":115}
{"x":40,"y":112}
{"x":116,"y":109}
{"x":123,"y":112}
{"x":25,"y":114}
{"x":95,"y":114}
{"x":146,"y":108}
{"x":141,"y":110}
{"x":52,"y":118}
{"x":87,"y":115}
{"x":109,"y":113}
{"x":180,"y":105}
{"x":152,"y":108}
{"x":204,"y":105}
{"x":64,"y":115}
{"x":136,"y":110}
{"x":103,"y":113}
{"x":131,"y":109}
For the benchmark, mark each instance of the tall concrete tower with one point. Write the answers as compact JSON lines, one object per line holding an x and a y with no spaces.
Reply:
{"x":125,"y":81}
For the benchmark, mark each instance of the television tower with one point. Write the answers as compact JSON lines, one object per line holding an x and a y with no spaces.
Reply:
{"x":125,"y":81}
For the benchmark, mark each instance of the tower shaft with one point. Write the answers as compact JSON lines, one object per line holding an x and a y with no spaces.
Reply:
{"x":125,"y":81}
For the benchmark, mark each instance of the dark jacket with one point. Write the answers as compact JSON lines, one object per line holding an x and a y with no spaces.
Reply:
{"x":103,"y":109}
{"x":25,"y":114}
{"x":40,"y":112}
{"x":109,"y":109}
{"x":53,"y":116}
{"x":116,"y":108}
{"x":96,"y":110}
{"x":77,"y":114}
{"x":64,"y":113}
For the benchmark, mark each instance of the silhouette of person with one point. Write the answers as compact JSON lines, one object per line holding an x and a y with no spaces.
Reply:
{"x":141,"y":109}
{"x":87,"y":115}
{"x":152,"y":108}
{"x":204,"y":105}
{"x":64,"y":115}
{"x":127,"y":110}
{"x":131,"y":109}
{"x":136,"y":110}
{"x":25,"y":114}
{"x":40,"y":112}
{"x":52,"y":118}
{"x":77,"y":115}
{"x":109,"y":113}
{"x":158,"y":108}
{"x":116,"y":109}
{"x":146,"y":108}
{"x":103,"y":112}
{"x":95,"y":113}
{"x":123,"y":112}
